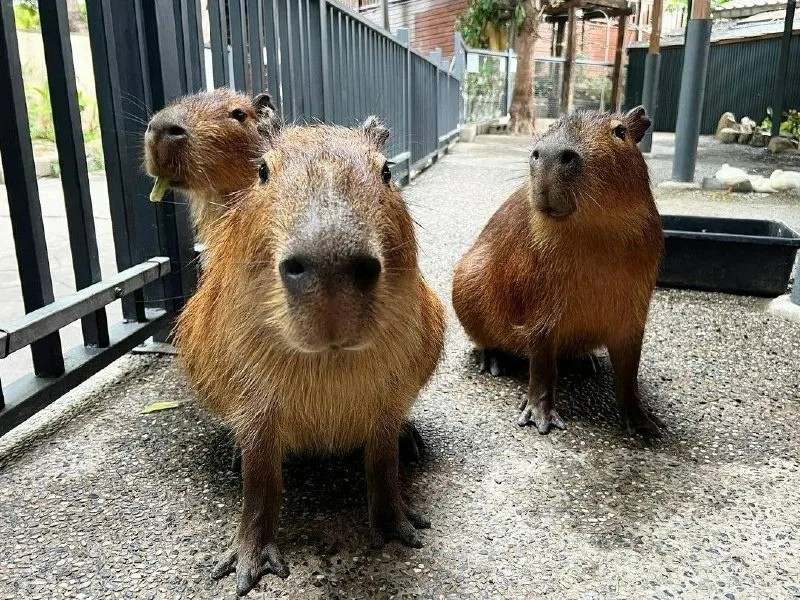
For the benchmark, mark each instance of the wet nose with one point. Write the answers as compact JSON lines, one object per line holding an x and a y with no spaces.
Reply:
{"x":550,"y":156}
{"x":167,"y":129}
{"x":304,"y":273}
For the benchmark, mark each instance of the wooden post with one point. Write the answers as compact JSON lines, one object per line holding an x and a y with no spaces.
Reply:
{"x":655,"y":27}
{"x":559,"y":39}
{"x":568,"y":76}
{"x":616,"y":81}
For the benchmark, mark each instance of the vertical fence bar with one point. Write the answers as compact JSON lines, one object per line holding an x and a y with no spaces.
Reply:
{"x":255,"y":29}
{"x":120,"y":64}
{"x":72,"y":160}
{"x":327,"y":52}
{"x":219,"y":42}
{"x":271,"y":42}
{"x":238,"y":36}
{"x":175,"y":237}
{"x":23,"y":193}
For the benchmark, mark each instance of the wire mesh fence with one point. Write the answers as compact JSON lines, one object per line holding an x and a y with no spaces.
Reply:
{"x":488,"y":83}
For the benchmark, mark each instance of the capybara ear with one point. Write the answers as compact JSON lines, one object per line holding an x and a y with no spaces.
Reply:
{"x":263,"y":104}
{"x":638,"y":122}
{"x":268,"y":122}
{"x":376,"y":132}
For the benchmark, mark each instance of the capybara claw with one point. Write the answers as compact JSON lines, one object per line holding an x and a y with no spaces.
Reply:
{"x":648,"y":426}
{"x":404,"y":530}
{"x":412,"y":445}
{"x":491,"y":362}
{"x":544,"y":418}
{"x":250,"y":565}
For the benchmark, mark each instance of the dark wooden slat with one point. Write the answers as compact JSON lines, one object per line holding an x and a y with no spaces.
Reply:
{"x":219,"y":42}
{"x":28,"y":395}
{"x":35,"y":325}
{"x":255,"y":29}
{"x":72,"y":160}
{"x":23,"y":193}
{"x":238,"y":37}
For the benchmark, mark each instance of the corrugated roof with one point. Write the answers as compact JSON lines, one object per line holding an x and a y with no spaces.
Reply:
{"x":732,"y":30}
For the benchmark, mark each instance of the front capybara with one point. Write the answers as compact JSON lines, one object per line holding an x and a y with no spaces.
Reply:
{"x":207,"y":145}
{"x":569,"y":262}
{"x":312,"y":329}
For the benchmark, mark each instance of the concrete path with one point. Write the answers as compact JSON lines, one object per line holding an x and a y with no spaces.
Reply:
{"x":99,"y":500}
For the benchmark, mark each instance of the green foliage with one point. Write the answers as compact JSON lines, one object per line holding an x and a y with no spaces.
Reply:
{"x":82,"y":9}
{"x":40,"y":113}
{"x":26,"y":16}
{"x":485,"y":91}
{"x":500,"y":13}
{"x":790,"y":122}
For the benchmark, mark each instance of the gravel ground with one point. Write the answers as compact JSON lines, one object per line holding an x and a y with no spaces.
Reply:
{"x":99,"y":500}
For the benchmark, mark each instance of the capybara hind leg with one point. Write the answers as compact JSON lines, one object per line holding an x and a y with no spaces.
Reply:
{"x":539,"y":405}
{"x":498,"y":362}
{"x":254,"y":552}
{"x":389,"y":517}
{"x":412,"y":445}
{"x":625,"y":359}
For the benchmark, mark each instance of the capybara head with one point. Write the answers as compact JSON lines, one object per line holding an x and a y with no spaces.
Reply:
{"x":589,"y":162}
{"x":329,"y":241}
{"x":208,"y":143}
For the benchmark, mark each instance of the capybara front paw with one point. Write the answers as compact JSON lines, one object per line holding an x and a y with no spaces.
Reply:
{"x":542,"y":416}
{"x":411,"y":444}
{"x":645,"y":424}
{"x":250,"y":562}
{"x":402,"y":528}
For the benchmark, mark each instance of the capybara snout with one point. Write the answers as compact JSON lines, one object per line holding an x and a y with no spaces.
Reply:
{"x":330,"y":269}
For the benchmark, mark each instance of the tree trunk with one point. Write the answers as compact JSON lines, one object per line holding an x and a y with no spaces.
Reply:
{"x":76,"y":22}
{"x":523,"y":102}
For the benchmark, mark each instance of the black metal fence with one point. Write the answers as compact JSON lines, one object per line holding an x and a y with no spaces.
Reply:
{"x":319,"y":60}
{"x":741,"y":79}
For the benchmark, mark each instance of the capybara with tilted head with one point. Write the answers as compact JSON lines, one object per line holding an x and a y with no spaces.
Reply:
{"x":207,"y":145}
{"x":312,"y":329}
{"x":569,"y":262}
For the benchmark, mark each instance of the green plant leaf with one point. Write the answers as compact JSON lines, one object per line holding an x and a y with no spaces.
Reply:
{"x":158,"y":406}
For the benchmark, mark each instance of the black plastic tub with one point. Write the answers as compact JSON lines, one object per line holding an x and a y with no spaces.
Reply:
{"x":737,"y":256}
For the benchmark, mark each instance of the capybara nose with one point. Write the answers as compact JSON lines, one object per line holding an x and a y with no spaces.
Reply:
{"x":558,"y":156}
{"x":167,"y":129}
{"x":306,"y":273}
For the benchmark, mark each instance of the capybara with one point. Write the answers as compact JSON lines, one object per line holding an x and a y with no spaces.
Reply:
{"x":569,"y":262}
{"x":312,"y":329}
{"x":207,"y":145}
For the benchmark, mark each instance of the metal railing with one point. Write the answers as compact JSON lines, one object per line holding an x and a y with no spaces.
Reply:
{"x":489,"y":82}
{"x":321,"y":61}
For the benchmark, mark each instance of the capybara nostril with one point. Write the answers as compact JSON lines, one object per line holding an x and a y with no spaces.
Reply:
{"x":295,"y":273}
{"x":176,"y":131}
{"x":569,"y":158}
{"x":365,"y":270}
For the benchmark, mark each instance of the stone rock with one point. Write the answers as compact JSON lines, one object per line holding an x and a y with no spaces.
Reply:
{"x":467,"y":133}
{"x":748,"y":124}
{"x":728,"y":135}
{"x":725,"y":121}
{"x":782,"y":144}
{"x":759,"y":139}
{"x":745,"y":137}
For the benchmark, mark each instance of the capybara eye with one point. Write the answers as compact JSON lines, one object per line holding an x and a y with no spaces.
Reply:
{"x":263,"y":172}
{"x":620,"y":131}
{"x":535,"y":155}
{"x":238,"y":114}
{"x":386,"y":173}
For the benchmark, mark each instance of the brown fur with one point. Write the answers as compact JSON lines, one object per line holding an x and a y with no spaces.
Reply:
{"x":254,"y":357}
{"x":568,"y":284}
{"x":219,"y":156}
